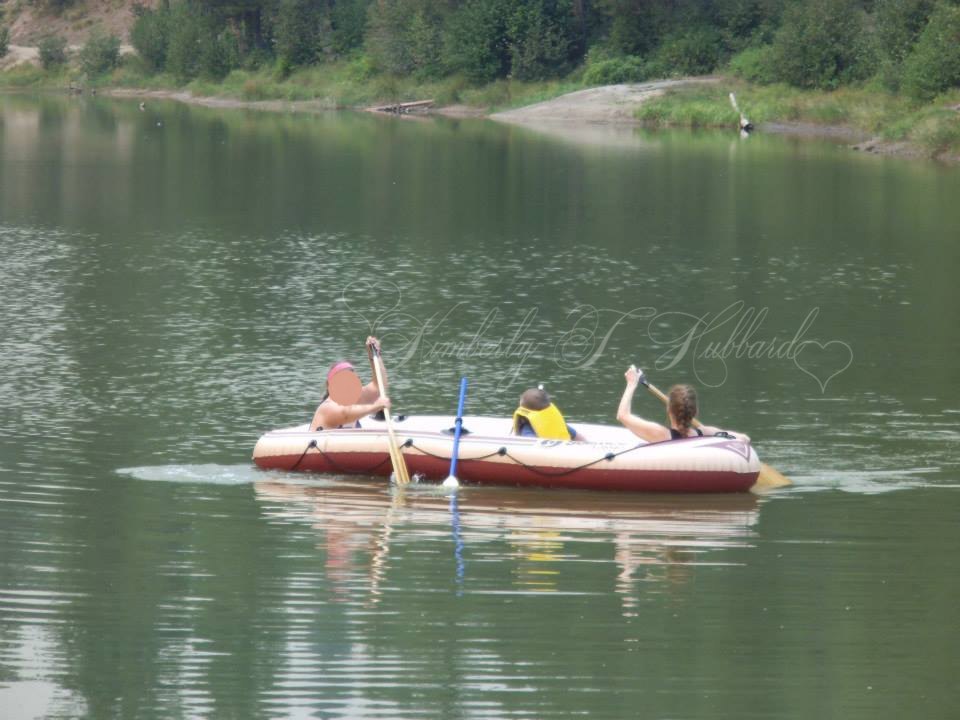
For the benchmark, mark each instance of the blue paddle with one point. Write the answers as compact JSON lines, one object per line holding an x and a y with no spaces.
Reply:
{"x":451,"y":480}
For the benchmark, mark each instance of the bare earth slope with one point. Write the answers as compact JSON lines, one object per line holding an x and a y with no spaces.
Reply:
{"x":608,"y":104}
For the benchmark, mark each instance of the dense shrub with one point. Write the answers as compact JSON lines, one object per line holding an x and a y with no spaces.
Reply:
{"x":348,"y":22}
{"x":541,"y":36}
{"x":297,"y":33}
{"x":219,"y":52}
{"x":149,"y":35}
{"x":744,"y":23}
{"x":822,"y":44}
{"x":387,"y":30}
{"x":100,"y":54}
{"x":934,"y":64}
{"x":612,"y":71}
{"x":634,"y":28}
{"x":755,"y":64}
{"x":53,"y":51}
{"x":425,"y":38}
{"x":693,"y":52}
{"x":899,"y":24}
{"x":475,"y":41}
{"x":4,"y":40}
{"x":183,"y":46}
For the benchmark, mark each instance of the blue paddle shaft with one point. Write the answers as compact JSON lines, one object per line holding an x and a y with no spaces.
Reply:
{"x":458,"y":426}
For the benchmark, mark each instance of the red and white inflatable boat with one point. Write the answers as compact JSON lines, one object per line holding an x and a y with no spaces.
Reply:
{"x":613,"y":459}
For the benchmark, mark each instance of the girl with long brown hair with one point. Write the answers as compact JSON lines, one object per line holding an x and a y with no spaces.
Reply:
{"x":681,"y":411}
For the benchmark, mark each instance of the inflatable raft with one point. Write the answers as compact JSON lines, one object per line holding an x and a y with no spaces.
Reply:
{"x":613,"y":459}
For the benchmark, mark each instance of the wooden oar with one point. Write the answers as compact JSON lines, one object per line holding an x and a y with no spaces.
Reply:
{"x":768,"y":479}
{"x":396,"y":457}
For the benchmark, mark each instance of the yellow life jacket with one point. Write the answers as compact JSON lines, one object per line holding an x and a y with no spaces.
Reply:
{"x":547,"y":423}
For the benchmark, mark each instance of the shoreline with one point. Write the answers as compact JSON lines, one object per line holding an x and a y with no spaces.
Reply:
{"x":610,"y":106}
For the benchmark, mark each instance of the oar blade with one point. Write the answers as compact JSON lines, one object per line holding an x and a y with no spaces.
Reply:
{"x":769,"y":479}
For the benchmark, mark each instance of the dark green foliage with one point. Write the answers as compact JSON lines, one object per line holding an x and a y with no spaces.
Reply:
{"x":694,"y":52}
{"x":4,"y":40}
{"x":386,"y":41}
{"x":53,"y":51}
{"x":219,"y":52}
{"x":634,"y":27}
{"x":100,"y":54}
{"x":348,"y":23}
{"x":743,"y":23}
{"x":475,"y":44}
{"x":755,"y":64}
{"x":822,"y":44}
{"x":149,"y":35}
{"x":612,"y":71}
{"x":806,"y":43}
{"x":406,"y":36}
{"x":296,"y":33}
{"x":899,"y":24}
{"x":183,"y":44}
{"x":934,"y":64}
{"x":541,"y":35}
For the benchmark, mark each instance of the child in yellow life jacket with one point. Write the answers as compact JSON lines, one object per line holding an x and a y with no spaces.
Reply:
{"x":538,"y":417}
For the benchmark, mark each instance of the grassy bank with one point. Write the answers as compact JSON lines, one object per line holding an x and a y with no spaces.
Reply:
{"x":933,"y":128}
{"x":346,"y":84}
{"x":902,"y":125}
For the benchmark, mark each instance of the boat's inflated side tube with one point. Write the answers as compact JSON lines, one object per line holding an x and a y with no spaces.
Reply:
{"x":547,"y":423}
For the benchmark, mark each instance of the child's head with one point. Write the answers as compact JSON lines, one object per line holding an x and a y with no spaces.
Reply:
{"x":535,"y":399}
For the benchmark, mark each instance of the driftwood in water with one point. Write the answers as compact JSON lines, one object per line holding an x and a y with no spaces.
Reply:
{"x":403,"y":108}
{"x":745,"y":125}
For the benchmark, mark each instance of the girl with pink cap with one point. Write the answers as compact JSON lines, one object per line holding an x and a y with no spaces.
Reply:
{"x":347,"y":399}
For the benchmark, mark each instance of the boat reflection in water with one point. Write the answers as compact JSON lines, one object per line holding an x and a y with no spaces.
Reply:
{"x":657,"y":541}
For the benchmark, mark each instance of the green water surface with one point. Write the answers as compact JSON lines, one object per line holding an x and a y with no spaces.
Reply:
{"x":174,"y":282}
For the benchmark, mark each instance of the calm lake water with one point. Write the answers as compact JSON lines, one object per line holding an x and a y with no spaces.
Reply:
{"x":174,"y":282}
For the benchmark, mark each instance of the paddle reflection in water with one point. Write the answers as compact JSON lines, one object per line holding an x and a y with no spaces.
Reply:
{"x":657,"y":541}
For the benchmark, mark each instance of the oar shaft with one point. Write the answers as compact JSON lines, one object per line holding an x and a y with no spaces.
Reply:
{"x":458,"y":427}
{"x":396,"y":457}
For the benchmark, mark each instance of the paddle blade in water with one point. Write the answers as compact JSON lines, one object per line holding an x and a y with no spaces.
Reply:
{"x":769,"y":479}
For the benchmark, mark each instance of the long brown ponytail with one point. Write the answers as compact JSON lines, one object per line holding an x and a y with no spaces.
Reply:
{"x":683,"y":407}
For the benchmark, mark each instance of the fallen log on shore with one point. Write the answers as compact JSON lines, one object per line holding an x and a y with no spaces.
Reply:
{"x":405,"y":108}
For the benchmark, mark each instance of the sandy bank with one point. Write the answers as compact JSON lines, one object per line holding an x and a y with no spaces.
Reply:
{"x":607,"y":104}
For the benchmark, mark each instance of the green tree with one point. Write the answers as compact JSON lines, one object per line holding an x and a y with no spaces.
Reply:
{"x":541,"y":35}
{"x":219,"y":51}
{"x":743,"y":23}
{"x":183,"y":48}
{"x":633,"y":27}
{"x":53,"y":51}
{"x":4,"y":40}
{"x":296,"y":29}
{"x":425,"y":36}
{"x":475,"y":42}
{"x":150,"y":35}
{"x":100,"y":54}
{"x":692,"y":52}
{"x":388,"y":27}
{"x":934,"y":64}
{"x":822,"y":44}
{"x":348,"y":23}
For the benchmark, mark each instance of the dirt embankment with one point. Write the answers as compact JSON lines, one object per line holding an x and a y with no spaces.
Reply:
{"x":607,"y":104}
{"x":31,"y":22}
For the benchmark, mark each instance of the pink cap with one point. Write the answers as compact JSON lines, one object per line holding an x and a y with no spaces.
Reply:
{"x":337,"y":367}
